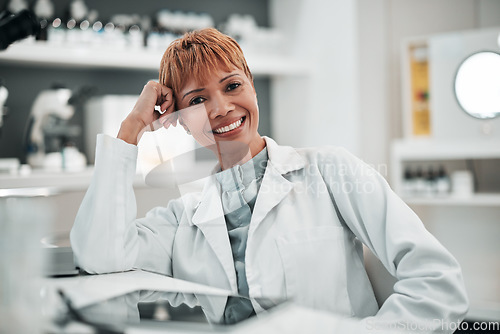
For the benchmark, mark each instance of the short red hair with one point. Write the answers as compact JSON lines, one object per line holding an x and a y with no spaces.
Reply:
{"x":198,"y":54}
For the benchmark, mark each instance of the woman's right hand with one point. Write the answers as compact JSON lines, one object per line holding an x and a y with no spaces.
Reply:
{"x":144,"y":117}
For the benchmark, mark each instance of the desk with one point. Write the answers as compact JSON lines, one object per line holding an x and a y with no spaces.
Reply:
{"x":118,"y":290}
{"x":88,"y":290}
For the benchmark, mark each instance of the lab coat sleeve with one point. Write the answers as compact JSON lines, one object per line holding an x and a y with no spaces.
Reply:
{"x":106,"y":236}
{"x":430,"y":289}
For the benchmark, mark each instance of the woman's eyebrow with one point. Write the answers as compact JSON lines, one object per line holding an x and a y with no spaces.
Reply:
{"x":229,"y":76}
{"x":193,"y":91}
{"x":200,"y":89}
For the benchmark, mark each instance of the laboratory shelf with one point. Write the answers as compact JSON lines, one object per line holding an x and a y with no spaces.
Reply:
{"x":441,"y":151}
{"x":50,"y":55}
{"x":481,"y":199}
{"x":428,"y":149}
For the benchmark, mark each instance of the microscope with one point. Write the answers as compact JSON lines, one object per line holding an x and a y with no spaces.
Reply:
{"x":14,"y":27}
{"x":49,"y":136}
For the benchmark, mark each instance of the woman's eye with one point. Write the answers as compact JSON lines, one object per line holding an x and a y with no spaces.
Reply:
{"x":233,"y":86}
{"x":197,"y":100}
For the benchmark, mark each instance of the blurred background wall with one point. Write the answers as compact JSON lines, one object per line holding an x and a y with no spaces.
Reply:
{"x":382,"y":27}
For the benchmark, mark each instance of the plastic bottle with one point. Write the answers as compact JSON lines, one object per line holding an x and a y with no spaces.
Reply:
{"x":408,"y":183}
{"x":419,"y":182}
{"x":97,"y":33}
{"x":135,"y":37}
{"x":56,"y":34}
{"x":430,"y":183}
{"x":87,"y":27}
{"x":77,"y":13}
{"x":44,"y":10}
{"x":443,"y":183}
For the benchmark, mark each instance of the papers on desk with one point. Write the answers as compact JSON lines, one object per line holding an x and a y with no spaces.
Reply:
{"x":87,"y":290}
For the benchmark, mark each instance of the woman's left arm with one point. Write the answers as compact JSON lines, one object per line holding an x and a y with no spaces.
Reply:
{"x":430,"y":284}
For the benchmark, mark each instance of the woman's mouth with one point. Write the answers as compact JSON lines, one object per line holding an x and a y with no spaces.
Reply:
{"x":229,"y":128}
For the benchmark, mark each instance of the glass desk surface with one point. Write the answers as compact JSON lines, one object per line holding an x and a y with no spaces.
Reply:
{"x":165,"y":311}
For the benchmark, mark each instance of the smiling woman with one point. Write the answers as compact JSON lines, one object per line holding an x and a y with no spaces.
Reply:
{"x":231,"y":114}
{"x":272,"y":221}
{"x":210,"y":68}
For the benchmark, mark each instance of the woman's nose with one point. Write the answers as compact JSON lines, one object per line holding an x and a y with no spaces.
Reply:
{"x":219,"y":106}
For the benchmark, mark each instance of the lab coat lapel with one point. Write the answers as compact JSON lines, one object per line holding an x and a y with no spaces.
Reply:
{"x":209,"y":218}
{"x":275,"y":187}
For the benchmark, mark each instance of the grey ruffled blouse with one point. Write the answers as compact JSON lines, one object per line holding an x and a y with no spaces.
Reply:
{"x":239,"y":188}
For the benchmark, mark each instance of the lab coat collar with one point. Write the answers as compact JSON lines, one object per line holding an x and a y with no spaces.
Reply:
{"x":274,"y":187}
{"x":285,"y":159}
{"x":282,"y":160}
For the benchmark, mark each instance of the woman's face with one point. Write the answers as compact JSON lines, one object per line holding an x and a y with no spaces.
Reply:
{"x":223,"y":111}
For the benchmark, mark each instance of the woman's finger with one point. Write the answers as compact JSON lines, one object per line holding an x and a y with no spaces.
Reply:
{"x":170,"y":119}
{"x":164,"y":96}
{"x":167,"y":107}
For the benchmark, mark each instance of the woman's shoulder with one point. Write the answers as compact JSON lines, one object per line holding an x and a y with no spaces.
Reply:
{"x":312,"y":154}
{"x":327,"y":154}
{"x":320,"y":156}
{"x":339,"y":161}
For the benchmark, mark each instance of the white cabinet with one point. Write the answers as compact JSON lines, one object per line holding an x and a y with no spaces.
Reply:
{"x":454,"y":155}
{"x":468,"y":226}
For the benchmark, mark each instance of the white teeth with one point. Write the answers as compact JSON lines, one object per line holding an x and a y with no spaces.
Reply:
{"x":229,"y":127}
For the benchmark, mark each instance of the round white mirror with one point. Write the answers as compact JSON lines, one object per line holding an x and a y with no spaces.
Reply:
{"x":477,"y":85}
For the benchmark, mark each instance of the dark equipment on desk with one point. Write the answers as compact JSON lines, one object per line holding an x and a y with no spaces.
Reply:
{"x":16,"y":27}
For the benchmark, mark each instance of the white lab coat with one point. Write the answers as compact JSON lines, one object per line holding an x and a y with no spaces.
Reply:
{"x":314,"y":209}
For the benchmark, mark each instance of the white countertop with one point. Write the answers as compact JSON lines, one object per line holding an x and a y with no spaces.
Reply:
{"x":60,"y":180}
{"x":63,"y":181}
